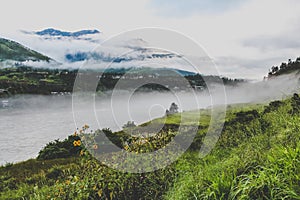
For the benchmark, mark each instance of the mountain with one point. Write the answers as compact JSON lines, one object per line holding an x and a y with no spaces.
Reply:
{"x":10,"y":50}
{"x":73,"y":48}
{"x":101,"y":56}
{"x":185,"y":73}
{"x":52,"y":34}
{"x":55,"y":33}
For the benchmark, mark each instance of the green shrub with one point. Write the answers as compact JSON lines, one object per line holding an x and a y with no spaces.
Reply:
{"x":54,"y":173}
{"x":61,"y":149}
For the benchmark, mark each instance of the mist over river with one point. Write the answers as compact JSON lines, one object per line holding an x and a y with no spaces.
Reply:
{"x":29,"y":122}
{"x":32,"y":121}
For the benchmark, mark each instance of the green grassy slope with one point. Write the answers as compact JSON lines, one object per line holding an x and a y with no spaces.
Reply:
{"x":256,"y":157}
{"x":10,"y":50}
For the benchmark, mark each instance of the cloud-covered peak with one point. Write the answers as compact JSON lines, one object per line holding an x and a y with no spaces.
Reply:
{"x":135,"y":44}
{"x":91,"y":35}
{"x":56,"y":32}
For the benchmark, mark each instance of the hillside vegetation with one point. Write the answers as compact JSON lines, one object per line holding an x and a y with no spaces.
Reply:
{"x":285,"y":68}
{"x":256,"y":157}
{"x":10,"y":50}
{"x":30,"y":80}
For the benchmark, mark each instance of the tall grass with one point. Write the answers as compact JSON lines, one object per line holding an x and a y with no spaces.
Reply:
{"x":256,"y":157}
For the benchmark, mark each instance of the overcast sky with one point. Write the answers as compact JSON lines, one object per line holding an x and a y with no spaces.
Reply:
{"x":244,"y":37}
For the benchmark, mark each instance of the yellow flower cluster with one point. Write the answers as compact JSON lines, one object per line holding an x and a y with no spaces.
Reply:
{"x":77,"y":143}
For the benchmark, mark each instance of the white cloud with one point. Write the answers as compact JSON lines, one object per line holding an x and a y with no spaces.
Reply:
{"x":179,"y":8}
{"x":222,"y":34}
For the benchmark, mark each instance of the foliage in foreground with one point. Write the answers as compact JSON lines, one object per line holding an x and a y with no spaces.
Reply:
{"x":61,"y":149}
{"x":257,"y":157}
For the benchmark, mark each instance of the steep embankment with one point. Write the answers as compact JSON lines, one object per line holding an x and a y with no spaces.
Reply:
{"x":257,"y":157}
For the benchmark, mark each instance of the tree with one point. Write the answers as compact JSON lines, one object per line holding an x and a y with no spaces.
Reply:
{"x":173,"y":109}
{"x":283,"y":66}
{"x":274,"y":69}
{"x":129,"y":124}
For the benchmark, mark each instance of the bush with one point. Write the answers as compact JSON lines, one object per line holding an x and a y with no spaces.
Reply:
{"x":61,"y":149}
{"x":129,"y":124}
{"x":273,"y":106}
{"x":295,"y":104}
{"x":54,"y":173}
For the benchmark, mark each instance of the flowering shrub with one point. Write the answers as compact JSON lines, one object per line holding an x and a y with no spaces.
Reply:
{"x":69,"y":147}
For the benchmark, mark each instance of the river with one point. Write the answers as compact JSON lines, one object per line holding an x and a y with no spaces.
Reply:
{"x":31,"y":121}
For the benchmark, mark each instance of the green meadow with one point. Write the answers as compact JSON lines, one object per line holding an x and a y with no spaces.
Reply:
{"x":256,"y":157}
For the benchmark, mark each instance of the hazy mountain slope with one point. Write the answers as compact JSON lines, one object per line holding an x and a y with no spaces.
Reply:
{"x":55,"y":32}
{"x":10,"y":50}
{"x":285,"y":68}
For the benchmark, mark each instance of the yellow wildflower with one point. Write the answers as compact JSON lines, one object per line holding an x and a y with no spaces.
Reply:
{"x":86,"y":126}
{"x":81,"y":153}
{"x":77,"y":143}
{"x":100,"y":193}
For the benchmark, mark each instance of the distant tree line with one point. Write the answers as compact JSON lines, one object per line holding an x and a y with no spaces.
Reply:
{"x":30,"y":80}
{"x":285,"y":68}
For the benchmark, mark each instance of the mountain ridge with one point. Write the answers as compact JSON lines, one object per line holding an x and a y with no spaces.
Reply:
{"x":11,"y":50}
{"x":56,"y":32}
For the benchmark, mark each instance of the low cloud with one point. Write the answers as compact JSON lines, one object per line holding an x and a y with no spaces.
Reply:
{"x":287,"y":39}
{"x":253,"y":69}
{"x":180,"y":8}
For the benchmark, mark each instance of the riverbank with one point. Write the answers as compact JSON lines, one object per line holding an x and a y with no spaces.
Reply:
{"x":256,"y":157}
